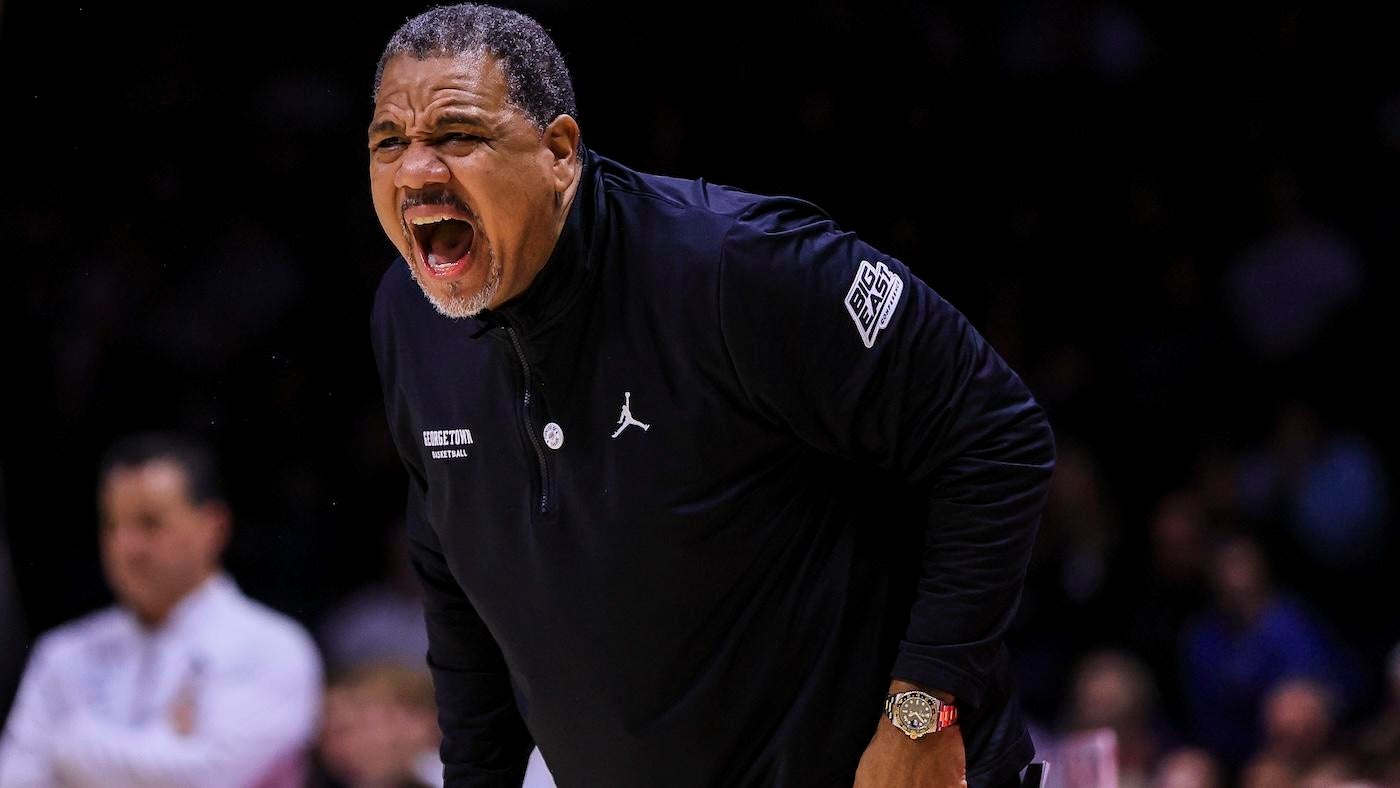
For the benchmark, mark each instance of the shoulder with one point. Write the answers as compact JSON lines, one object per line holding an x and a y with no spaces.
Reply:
{"x":698,"y":209}
{"x":80,"y":644}
{"x":81,"y":638}
{"x":253,"y":630}
{"x":785,"y":262}
{"x":773,"y":262}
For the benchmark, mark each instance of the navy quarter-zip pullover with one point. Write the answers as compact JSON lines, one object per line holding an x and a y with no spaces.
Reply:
{"x":684,"y":507}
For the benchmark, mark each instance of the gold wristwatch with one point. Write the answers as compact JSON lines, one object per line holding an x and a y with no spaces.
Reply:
{"x":916,"y":713}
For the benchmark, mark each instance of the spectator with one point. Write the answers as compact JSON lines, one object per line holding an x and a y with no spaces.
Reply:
{"x":1170,"y":589}
{"x":185,"y":681}
{"x":1114,"y":690}
{"x":1287,"y":285}
{"x":1187,"y":767}
{"x":1327,"y":485}
{"x":381,"y":729}
{"x":1234,"y":654}
{"x":378,"y":639}
{"x":1298,"y":722}
{"x":1266,"y":772}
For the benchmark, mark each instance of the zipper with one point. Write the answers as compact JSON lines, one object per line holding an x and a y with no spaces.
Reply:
{"x":530,"y":427}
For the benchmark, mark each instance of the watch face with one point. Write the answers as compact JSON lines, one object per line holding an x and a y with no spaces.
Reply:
{"x":915,"y":714}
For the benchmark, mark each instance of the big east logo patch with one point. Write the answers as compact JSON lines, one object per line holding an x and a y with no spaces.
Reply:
{"x":872,"y":299}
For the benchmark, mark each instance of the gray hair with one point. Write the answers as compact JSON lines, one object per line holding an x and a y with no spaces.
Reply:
{"x":537,"y":81}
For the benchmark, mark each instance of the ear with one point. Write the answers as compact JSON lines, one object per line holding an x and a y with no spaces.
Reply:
{"x":561,"y":139}
{"x":219,"y":521}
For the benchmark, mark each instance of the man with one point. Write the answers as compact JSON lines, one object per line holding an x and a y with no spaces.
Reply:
{"x":187,"y":681}
{"x":380,"y":727}
{"x":662,"y":440}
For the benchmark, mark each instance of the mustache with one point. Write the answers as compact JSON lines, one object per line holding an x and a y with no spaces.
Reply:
{"x":432,"y":197}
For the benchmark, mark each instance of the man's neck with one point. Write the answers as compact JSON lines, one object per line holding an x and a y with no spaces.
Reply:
{"x":156,"y":620}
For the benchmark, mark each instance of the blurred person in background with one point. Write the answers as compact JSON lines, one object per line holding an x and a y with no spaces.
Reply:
{"x":1325,"y":482}
{"x":380,"y":729}
{"x":1168,"y":588}
{"x":1327,"y":485}
{"x":1287,"y":286}
{"x":1236,"y":653}
{"x":1268,"y":773}
{"x":1114,"y":690}
{"x":185,"y":681}
{"x":1299,"y":719}
{"x":1188,"y":767}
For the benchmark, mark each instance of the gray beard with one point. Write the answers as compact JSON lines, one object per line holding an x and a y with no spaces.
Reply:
{"x":458,"y":305}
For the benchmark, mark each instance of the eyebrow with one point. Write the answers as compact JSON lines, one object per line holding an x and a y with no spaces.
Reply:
{"x":384,"y":127}
{"x":460,"y":118}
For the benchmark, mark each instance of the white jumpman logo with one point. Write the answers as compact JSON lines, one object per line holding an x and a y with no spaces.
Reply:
{"x":626,"y":419}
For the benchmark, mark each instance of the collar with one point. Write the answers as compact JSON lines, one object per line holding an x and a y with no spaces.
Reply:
{"x":565,"y":274}
{"x":195,"y":609}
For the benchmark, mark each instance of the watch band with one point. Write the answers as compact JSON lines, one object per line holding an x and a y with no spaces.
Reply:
{"x":947,"y":715}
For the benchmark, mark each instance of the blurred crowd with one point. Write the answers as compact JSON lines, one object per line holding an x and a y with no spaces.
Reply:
{"x":1172,"y":221}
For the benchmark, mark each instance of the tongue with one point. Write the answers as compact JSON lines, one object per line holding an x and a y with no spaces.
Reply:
{"x":450,"y":243}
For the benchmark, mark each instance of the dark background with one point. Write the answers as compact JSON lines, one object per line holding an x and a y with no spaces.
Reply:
{"x":189,"y":243}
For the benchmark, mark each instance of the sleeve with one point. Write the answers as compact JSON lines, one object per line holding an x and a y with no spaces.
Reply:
{"x":842,"y":346}
{"x":485,"y":743}
{"x":37,"y":710}
{"x":255,"y":719}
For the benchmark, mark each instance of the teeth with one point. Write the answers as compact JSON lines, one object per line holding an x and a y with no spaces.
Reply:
{"x":433,"y":219}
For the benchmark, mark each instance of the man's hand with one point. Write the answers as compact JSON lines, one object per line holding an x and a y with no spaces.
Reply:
{"x":893,"y":760}
{"x":182,"y":711}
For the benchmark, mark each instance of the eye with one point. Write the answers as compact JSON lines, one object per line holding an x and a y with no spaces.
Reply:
{"x":458,"y":136}
{"x":389,"y":143}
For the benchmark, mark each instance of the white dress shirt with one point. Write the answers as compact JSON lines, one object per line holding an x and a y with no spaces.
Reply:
{"x":103,"y":699}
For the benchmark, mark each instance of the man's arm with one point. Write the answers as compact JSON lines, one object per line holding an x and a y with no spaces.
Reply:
{"x":241,"y":721}
{"x":843,"y":346}
{"x":24,"y":744}
{"x":485,"y":743}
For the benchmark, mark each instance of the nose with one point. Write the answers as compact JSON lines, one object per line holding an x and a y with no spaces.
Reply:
{"x":420,"y":166}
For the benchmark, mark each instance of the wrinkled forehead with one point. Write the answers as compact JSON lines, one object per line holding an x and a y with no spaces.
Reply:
{"x":409,"y":81}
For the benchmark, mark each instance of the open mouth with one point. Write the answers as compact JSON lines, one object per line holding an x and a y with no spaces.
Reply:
{"x":442,"y":242}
